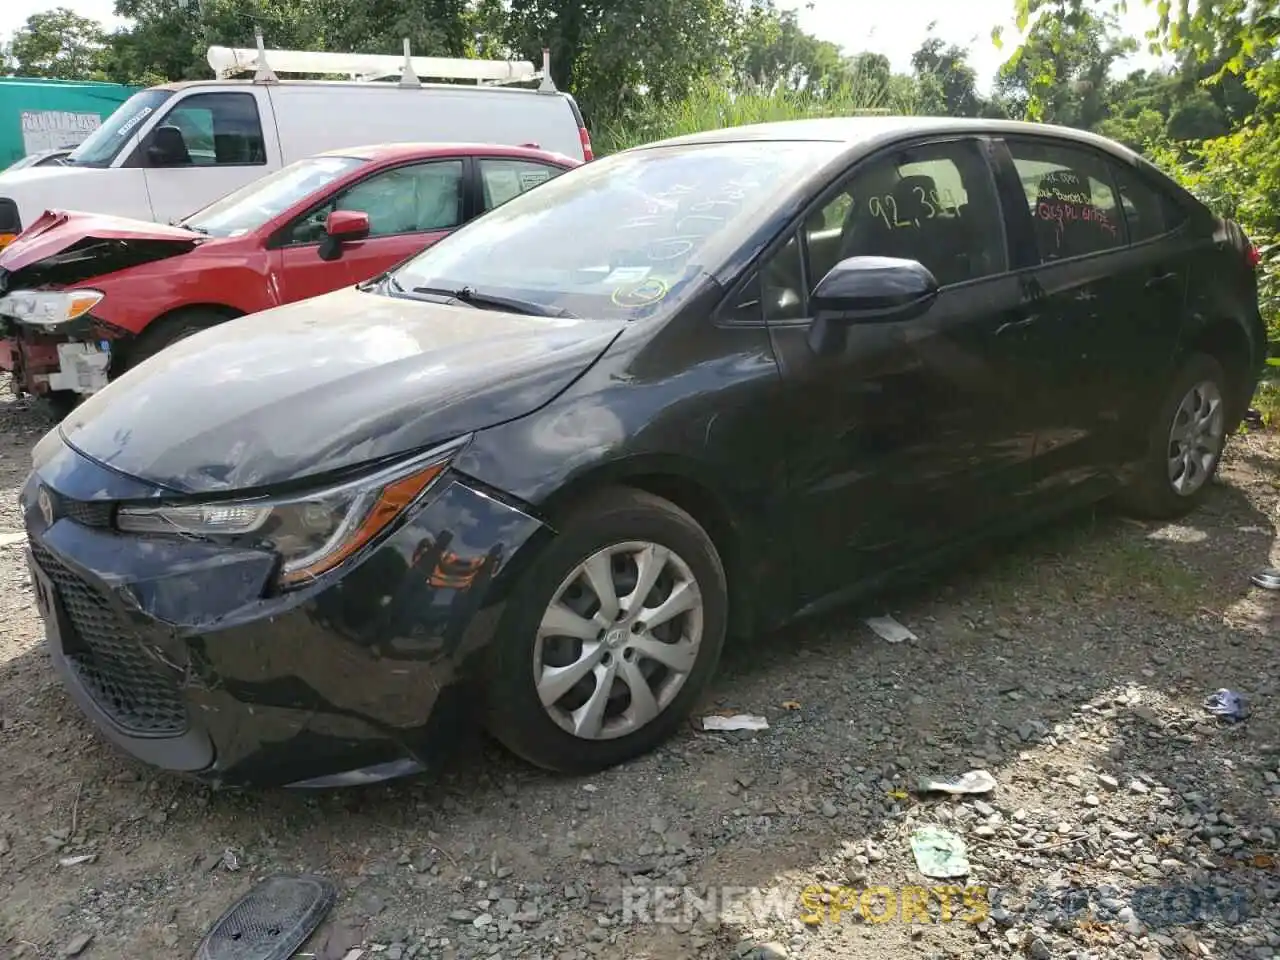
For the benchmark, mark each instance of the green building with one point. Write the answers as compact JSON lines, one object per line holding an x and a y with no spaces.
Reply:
{"x":38,"y":114}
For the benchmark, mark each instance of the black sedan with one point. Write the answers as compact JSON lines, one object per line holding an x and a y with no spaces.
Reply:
{"x":538,"y":473}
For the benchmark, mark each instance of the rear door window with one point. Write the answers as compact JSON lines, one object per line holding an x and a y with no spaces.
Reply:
{"x":501,"y":179}
{"x":1070,"y":198}
{"x":1148,"y":211}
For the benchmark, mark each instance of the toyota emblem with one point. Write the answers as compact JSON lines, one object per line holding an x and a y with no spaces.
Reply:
{"x":45,"y":502}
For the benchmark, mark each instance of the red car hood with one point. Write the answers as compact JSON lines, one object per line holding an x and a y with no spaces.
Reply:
{"x":56,"y":230}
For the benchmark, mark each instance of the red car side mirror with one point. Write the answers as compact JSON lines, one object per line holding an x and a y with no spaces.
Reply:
{"x":347,"y":225}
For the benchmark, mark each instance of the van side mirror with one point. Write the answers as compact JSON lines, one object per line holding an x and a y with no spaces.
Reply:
{"x":867,"y":290}
{"x":343,"y":226}
{"x":167,"y":147}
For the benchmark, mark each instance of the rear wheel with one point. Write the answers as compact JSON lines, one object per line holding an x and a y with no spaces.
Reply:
{"x":608,"y":641}
{"x":1185,"y":443}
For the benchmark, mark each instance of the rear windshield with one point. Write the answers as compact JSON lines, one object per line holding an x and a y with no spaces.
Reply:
{"x":623,"y":237}
{"x":101,"y":147}
{"x":248,"y":208}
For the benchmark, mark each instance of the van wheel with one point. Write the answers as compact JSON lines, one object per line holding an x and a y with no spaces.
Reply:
{"x":167,"y":332}
{"x":610,"y":638}
{"x":1184,"y":444}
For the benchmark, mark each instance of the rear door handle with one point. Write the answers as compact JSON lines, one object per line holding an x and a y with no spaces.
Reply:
{"x":1016,"y":325}
{"x":1161,"y":279}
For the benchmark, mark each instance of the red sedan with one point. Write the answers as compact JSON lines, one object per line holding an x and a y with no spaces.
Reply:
{"x":84,"y":297}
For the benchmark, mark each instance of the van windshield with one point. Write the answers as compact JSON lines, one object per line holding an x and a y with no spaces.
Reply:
{"x":620,"y":238}
{"x":248,"y":208}
{"x":104,"y":144}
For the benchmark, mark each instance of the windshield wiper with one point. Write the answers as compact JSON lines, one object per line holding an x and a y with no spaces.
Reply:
{"x":472,"y":298}
{"x":178,"y":222}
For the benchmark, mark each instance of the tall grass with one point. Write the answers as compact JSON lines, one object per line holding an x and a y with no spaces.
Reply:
{"x":712,"y":106}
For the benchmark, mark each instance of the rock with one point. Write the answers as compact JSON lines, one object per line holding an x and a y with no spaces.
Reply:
{"x":1091,"y":800}
{"x":1108,"y":783}
{"x":1137,"y":786}
{"x":462,"y":916}
{"x":769,"y":951}
{"x":829,"y":809}
{"x":77,"y":945}
{"x":1037,"y":949}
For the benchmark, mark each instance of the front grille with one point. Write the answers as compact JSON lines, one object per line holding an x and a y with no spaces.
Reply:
{"x":109,"y":659}
{"x":87,"y":513}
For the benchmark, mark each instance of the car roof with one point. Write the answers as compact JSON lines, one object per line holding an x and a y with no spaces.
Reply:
{"x":391,"y":152}
{"x":866,"y":130}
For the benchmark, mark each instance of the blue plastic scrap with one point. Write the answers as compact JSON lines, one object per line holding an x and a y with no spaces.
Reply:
{"x":1227,"y":704}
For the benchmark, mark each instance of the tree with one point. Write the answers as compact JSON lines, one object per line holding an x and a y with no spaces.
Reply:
{"x":607,"y":54}
{"x":61,"y":44}
{"x":948,"y":85}
{"x":772,"y":53}
{"x":433,"y":27}
{"x":1060,"y":73}
{"x":169,"y":38}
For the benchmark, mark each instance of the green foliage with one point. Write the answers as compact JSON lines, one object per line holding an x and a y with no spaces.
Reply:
{"x":59,"y":44}
{"x":1060,"y":74}
{"x":946,"y":85}
{"x":711,"y":106}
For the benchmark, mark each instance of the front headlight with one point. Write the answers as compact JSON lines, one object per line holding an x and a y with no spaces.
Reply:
{"x":312,"y":532}
{"x":49,"y":306}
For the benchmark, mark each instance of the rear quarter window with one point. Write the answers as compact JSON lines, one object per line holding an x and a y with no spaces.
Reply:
{"x":1149,"y":211}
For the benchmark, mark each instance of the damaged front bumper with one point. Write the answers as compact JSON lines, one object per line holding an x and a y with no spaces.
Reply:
{"x":181,"y":653}
{"x":71,"y":356}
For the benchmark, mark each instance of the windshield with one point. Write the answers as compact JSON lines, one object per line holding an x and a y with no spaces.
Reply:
{"x":618,"y":238}
{"x":248,"y":208}
{"x":102,"y":146}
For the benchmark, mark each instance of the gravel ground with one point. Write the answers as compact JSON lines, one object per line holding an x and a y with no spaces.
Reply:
{"x":1126,"y":821}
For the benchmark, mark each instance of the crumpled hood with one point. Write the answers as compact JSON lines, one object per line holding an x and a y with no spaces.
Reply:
{"x":56,"y":230}
{"x":325,"y":384}
{"x":62,"y":248}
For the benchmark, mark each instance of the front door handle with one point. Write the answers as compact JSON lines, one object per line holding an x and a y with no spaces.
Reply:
{"x":1161,"y":279}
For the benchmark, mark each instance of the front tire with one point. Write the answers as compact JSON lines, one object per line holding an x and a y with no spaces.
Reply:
{"x":610,"y":637}
{"x":1184,"y":444}
{"x":168,"y":331}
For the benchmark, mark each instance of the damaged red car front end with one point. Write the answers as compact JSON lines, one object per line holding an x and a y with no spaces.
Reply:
{"x":54,"y":281}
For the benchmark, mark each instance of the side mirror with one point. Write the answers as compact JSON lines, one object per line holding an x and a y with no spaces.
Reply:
{"x":342,"y":226}
{"x":868,"y":290}
{"x":167,"y":147}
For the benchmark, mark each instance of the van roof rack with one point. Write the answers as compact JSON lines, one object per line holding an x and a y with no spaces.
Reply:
{"x":266,"y":64}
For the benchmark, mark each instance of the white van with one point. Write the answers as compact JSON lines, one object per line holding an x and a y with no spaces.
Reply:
{"x":170,"y":150}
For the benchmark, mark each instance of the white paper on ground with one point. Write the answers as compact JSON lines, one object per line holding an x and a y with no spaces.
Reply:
{"x":975,"y":781}
{"x":739,"y":722}
{"x":889,"y":629}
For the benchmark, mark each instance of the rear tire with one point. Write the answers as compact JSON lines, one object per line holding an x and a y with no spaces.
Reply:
{"x":167,"y":332}
{"x":1184,"y":444}
{"x":585,"y":672}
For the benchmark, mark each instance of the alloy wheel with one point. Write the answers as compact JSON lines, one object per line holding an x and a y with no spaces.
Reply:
{"x":1196,"y":438}
{"x":618,"y":640}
